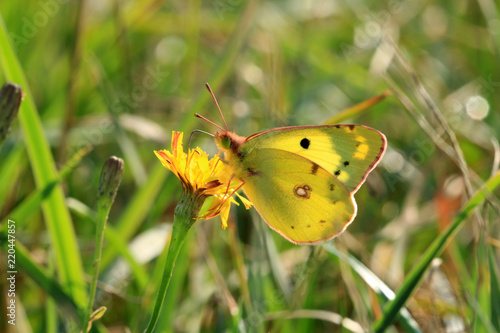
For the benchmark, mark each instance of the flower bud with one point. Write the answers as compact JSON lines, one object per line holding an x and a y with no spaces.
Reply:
{"x":111,"y":176}
{"x":10,"y":99}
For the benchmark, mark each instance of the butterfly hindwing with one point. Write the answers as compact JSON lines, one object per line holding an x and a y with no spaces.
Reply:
{"x":296,"y":196}
{"x":349,"y":152}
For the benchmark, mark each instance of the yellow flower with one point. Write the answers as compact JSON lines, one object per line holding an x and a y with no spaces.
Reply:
{"x":203,"y":177}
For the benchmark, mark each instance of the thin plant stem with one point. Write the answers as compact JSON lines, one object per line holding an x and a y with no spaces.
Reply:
{"x":185,"y":215}
{"x":111,"y":177}
{"x":102,"y":216}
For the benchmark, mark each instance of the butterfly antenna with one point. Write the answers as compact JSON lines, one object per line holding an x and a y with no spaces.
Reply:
{"x":216,"y":103}
{"x":197,"y":115}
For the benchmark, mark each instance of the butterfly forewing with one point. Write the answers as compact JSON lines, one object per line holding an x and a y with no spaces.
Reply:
{"x":348,"y":152}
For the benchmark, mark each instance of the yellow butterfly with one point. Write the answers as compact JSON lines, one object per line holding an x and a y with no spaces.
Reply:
{"x":302,"y":179}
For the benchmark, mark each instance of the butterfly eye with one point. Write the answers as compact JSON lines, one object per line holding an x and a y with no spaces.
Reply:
{"x":226,"y":142}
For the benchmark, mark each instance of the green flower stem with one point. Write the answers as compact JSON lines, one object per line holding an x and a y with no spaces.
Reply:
{"x":111,"y":176}
{"x":185,"y":215}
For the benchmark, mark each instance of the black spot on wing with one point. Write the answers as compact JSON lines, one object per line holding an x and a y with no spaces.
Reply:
{"x":293,"y":227}
{"x":351,"y":127}
{"x":346,"y":163}
{"x":337,"y":173}
{"x":305,"y":143}
{"x":332,"y":187}
{"x":314,"y":169}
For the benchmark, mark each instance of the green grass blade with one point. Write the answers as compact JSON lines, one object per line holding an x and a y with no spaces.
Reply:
{"x":481,"y":298}
{"x":377,"y":285}
{"x":10,"y":170}
{"x":494,"y":289}
{"x":415,"y":276}
{"x":42,"y":278}
{"x":51,"y":316}
{"x":57,"y":218}
{"x":29,"y":205}
{"x":482,"y":322}
{"x":356,"y":110}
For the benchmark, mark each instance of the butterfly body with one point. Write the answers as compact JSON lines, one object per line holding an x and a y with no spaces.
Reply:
{"x":302,"y":179}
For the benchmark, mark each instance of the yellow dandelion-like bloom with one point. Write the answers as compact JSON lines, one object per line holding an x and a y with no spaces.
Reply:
{"x":203,"y":177}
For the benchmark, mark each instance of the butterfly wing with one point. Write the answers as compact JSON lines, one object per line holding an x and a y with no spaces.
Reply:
{"x":295,"y":196}
{"x":349,"y":152}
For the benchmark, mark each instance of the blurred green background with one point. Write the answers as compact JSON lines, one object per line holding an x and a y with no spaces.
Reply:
{"x":120,"y":76}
